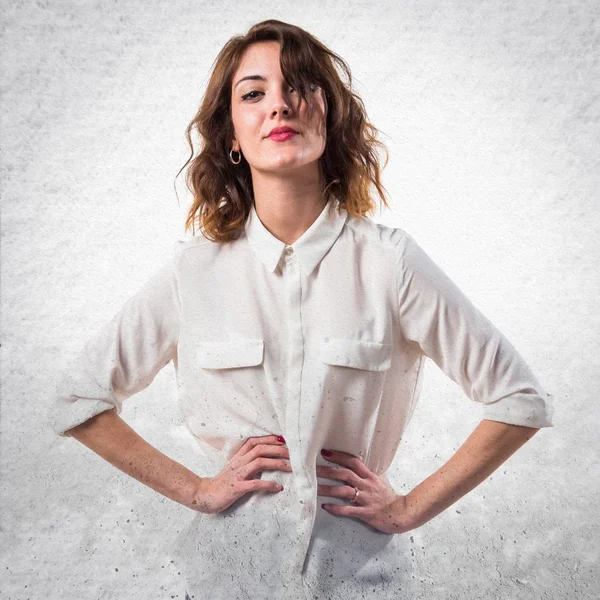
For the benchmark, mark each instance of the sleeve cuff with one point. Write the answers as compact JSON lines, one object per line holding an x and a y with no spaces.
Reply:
{"x":64,"y":416}
{"x":528,"y":410}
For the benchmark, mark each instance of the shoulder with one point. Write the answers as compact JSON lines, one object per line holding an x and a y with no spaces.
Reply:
{"x":186,"y":242}
{"x":369,"y":230}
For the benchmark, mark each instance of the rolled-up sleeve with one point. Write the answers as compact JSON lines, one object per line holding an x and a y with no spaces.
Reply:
{"x":123,"y":357}
{"x":466,"y":346}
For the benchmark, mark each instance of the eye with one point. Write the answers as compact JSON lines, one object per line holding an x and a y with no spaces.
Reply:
{"x":310,"y":88}
{"x":246,"y":96}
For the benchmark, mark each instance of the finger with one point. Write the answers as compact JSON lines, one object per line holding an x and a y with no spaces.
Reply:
{"x":343,"y":510}
{"x":265,"y":450}
{"x":340,"y":474}
{"x":349,"y":461}
{"x":264,"y":464}
{"x":344,"y":492}
{"x":253,"y":441}
{"x":254,"y":485}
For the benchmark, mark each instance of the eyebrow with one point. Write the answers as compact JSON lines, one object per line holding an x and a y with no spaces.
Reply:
{"x":254,"y":77}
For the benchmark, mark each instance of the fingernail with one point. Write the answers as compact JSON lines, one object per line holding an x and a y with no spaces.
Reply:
{"x":281,"y":439}
{"x":326,"y":453}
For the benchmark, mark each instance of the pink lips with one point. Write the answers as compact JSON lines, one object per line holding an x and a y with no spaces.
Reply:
{"x":281,"y":137}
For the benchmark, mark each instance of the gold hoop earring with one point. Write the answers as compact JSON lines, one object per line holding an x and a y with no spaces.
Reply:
{"x":239,"y":160}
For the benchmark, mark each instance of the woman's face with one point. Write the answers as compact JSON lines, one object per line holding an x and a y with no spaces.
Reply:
{"x":258,"y":106}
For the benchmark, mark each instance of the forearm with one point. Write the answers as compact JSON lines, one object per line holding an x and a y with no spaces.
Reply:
{"x":114,"y":440}
{"x":490,"y":444}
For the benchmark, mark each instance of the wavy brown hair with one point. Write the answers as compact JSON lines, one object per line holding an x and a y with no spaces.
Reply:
{"x":222,"y":191}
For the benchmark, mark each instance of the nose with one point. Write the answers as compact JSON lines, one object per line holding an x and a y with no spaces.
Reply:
{"x":281,"y":104}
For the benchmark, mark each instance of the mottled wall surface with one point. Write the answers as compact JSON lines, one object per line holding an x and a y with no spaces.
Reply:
{"x":491,"y":114}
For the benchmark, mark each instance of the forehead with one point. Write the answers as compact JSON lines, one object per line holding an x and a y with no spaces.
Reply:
{"x":261,"y":56}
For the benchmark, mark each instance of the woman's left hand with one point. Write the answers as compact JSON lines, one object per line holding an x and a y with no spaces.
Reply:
{"x":376,"y":504}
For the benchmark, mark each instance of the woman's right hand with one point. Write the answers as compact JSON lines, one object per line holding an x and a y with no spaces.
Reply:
{"x":215,"y":494}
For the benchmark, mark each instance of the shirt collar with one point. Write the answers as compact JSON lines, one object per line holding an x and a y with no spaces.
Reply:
{"x":310,"y":247}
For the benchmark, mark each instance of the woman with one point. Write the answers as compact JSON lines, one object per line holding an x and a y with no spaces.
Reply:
{"x":298,"y":329}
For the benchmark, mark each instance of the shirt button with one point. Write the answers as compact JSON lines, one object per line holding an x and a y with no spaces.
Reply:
{"x":288,"y":250}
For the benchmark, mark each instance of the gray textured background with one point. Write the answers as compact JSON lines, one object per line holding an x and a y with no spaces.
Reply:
{"x":491,"y":114}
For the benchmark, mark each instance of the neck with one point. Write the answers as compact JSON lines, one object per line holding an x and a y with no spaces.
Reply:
{"x":287,"y":204}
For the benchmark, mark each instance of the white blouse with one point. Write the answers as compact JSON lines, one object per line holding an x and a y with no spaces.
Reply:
{"x":323,"y":342}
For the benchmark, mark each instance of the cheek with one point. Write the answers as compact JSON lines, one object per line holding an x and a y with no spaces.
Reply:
{"x":321,"y":105}
{"x":319,"y":128}
{"x":319,"y":119}
{"x":246,"y":123}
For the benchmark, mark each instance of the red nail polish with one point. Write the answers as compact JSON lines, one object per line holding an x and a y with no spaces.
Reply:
{"x":281,"y":439}
{"x":326,"y":453}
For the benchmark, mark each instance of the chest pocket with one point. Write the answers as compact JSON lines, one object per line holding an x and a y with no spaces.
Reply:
{"x":359,"y":354}
{"x":230,"y":354}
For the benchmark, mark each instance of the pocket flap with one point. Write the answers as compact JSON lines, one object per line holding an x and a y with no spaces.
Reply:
{"x":358,"y":354}
{"x":227,"y":355}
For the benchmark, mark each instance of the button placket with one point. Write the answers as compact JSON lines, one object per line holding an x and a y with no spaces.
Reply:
{"x":295,"y":364}
{"x":289,"y":255}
